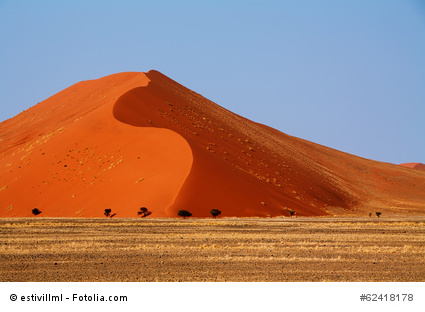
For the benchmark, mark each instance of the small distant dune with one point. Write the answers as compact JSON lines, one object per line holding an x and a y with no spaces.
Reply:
{"x":418,"y":166}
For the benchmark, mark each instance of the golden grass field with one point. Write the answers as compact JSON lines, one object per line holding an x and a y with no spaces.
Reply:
{"x":208,"y":250}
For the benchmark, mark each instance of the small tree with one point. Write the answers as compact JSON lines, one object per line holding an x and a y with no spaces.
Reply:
{"x":107,"y":212}
{"x":35,"y":211}
{"x":291,"y":212}
{"x":378,"y":214}
{"x":184,"y":213}
{"x":370,"y":214}
{"x":144,"y":212}
{"x":215,"y":213}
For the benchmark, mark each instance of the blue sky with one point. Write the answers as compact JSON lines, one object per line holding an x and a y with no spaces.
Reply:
{"x":346,"y":74}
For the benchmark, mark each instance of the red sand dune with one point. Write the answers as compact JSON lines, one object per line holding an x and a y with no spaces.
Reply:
{"x":414,"y":166}
{"x":140,"y":139}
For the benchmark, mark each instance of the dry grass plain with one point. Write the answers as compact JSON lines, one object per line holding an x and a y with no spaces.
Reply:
{"x":236,"y":250}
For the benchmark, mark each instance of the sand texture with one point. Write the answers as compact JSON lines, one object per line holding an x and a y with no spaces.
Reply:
{"x":134,"y":140}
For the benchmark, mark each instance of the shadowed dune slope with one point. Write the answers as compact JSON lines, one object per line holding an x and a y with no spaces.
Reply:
{"x":132,"y":139}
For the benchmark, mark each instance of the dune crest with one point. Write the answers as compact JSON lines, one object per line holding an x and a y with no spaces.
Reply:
{"x":134,"y":140}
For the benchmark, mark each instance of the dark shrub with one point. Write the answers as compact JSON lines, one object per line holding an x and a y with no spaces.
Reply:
{"x":35,"y":211}
{"x":144,"y":212}
{"x":215,"y":213}
{"x":184,"y":213}
{"x":291,"y":212}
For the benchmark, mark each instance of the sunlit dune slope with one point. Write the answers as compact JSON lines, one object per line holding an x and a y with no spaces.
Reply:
{"x":134,"y":140}
{"x":68,"y":156}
